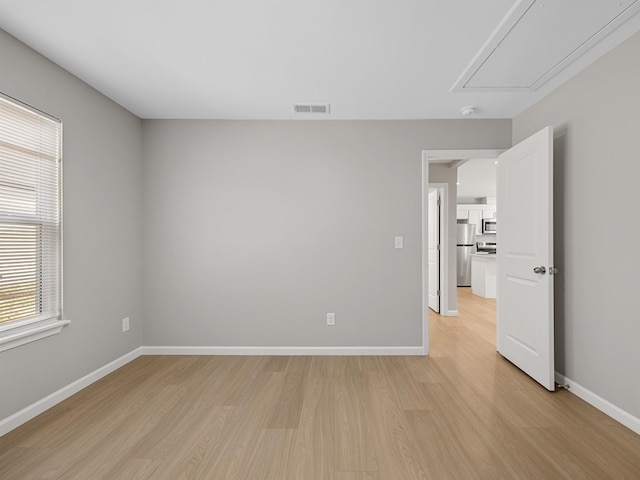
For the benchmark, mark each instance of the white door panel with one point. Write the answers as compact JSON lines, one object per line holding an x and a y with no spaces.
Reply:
{"x":433,"y":242}
{"x":525,"y":241}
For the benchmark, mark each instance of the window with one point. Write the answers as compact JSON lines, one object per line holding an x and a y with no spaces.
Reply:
{"x":30,"y":224}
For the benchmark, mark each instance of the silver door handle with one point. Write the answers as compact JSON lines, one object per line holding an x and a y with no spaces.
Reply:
{"x":540,"y":270}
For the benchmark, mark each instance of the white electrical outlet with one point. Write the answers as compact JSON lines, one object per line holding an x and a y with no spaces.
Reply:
{"x":331,"y":318}
{"x":125,"y":324}
{"x":399,"y":242}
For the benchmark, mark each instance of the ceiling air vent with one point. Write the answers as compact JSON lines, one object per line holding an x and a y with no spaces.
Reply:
{"x":299,"y":108}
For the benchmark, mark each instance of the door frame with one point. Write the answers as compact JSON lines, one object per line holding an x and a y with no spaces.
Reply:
{"x":454,"y":158}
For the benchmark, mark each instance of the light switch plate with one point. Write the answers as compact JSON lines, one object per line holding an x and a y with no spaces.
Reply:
{"x":399,"y":242}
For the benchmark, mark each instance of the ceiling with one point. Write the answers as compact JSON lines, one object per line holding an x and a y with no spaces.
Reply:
{"x":368,"y":59}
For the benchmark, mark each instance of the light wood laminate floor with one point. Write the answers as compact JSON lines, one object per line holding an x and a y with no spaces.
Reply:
{"x":461,"y":413}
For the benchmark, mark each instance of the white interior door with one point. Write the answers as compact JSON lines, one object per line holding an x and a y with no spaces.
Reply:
{"x":525,"y":257}
{"x":433,"y":248}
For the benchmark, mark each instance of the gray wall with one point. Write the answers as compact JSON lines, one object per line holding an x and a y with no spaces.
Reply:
{"x":102,"y":232}
{"x":254,"y":230}
{"x":597,"y":222}
{"x":443,"y":174}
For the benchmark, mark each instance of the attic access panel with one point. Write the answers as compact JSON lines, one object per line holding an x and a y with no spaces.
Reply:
{"x":537,"y":39}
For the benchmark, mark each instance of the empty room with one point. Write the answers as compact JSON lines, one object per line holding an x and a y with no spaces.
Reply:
{"x":250,"y":240}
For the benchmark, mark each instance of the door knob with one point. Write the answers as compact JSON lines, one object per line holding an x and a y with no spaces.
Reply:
{"x":540,"y":270}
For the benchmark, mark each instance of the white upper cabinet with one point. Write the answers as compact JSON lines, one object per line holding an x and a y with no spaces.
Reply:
{"x":489,"y":212}
{"x":475,"y":212}
{"x":462,"y":214}
{"x":475,"y":218}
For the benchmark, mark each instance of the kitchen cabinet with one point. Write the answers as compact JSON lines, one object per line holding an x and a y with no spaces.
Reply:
{"x":489,"y":212}
{"x":475,"y":218}
{"x":474,"y":213}
{"x":483,"y":275}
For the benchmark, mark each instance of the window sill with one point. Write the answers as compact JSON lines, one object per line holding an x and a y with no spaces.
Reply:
{"x":14,"y":335}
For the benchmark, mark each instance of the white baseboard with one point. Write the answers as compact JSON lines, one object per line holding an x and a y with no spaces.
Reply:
{"x":452,"y":313}
{"x":283,"y":350}
{"x":605,"y":406}
{"x":35,"y":409}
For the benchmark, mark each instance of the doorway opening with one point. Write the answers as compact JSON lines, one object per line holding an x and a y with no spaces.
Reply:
{"x":444,"y":174}
{"x":476,"y":229}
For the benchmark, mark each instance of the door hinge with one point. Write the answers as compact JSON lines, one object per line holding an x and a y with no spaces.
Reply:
{"x":438,"y":247}
{"x":438,"y":292}
{"x":438,"y":201}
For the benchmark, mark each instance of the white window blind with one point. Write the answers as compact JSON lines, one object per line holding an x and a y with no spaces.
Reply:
{"x":30,"y":218}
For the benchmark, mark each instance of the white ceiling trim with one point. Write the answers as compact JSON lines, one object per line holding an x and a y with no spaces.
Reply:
{"x":513,"y":16}
{"x":502,"y":34}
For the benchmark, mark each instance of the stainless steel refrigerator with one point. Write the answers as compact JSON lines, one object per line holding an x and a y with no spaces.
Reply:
{"x":466,"y":242}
